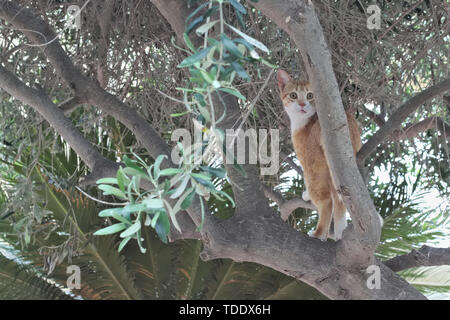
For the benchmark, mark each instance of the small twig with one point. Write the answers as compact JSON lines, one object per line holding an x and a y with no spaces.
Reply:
{"x":101,"y":201}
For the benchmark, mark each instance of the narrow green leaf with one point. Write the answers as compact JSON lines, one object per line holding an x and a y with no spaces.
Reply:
{"x":123,"y":243}
{"x":202,"y":206}
{"x":188,"y":200}
{"x":177,"y":206}
{"x":206,"y":183}
{"x":134,"y":207}
{"x":107,"y":181}
{"x":191,"y":26}
{"x":109,"y":212}
{"x":197,"y":10}
{"x":239,"y":7}
{"x":217,"y":172}
{"x":180,"y":189}
{"x":240,"y":19}
{"x":267,"y":63}
{"x":205,"y":27}
{"x":153,"y":203}
{"x":234,"y":92}
{"x":179,"y":114}
{"x":204,"y":112}
{"x":170,"y":172}
{"x":240,"y":70}
{"x":136,"y":182}
{"x":189,"y":61}
{"x":121,"y":218}
{"x":111,"y":229}
{"x":226,"y":195}
{"x":155,"y":219}
{"x":162,"y":227}
{"x":230,"y":46}
{"x":250,"y":40}
{"x":157,"y":164}
{"x":201,"y":176}
{"x":139,"y":241}
{"x":121,"y":180}
{"x":109,"y":190}
{"x":136,"y":172}
{"x":131,"y":230}
{"x":188,"y":42}
{"x":172,"y":215}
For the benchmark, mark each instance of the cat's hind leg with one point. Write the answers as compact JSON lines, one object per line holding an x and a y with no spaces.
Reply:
{"x":325,"y":208}
{"x":339,"y":219}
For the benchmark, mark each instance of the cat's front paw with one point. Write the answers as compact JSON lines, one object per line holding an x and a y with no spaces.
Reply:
{"x":317,"y":235}
{"x":305,"y":196}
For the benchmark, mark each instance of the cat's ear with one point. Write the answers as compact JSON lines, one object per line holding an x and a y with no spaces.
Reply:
{"x":283,"y":78}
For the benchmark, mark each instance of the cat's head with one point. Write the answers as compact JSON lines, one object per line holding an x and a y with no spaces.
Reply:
{"x":297,"y":97}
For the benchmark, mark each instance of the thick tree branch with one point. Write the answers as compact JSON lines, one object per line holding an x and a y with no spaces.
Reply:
{"x":424,"y":257}
{"x":300,"y":21}
{"x":397,"y":118}
{"x":175,"y":12}
{"x":39,"y":101}
{"x":38,"y":32}
{"x":247,"y":189}
{"x":70,"y":105}
{"x":271,"y":242}
{"x":413,"y":130}
{"x":378,"y":119}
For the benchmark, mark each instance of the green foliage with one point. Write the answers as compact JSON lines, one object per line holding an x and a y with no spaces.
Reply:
{"x":172,"y":271}
{"x":152,"y":207}
{"x":429,"y":280}
{"x":19,"y":281}
{"x":213,"y":68}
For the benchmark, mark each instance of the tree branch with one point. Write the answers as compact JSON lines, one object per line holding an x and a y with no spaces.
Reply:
{"x":287,"y":206}
{"x":424,"y":257}
{"x":39,"y":101}
{"x":175,"y":12}
{"x":300,"y":21}
{"x":292,"y":164}
{"x":70,"y":105}
{"x":399,"y":116}
{"x":105,"y":14}
{"x":38,"y":32}
{"x":413,"y":130}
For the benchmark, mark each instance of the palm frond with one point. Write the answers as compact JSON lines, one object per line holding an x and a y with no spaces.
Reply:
{"x":21,"y":281}
{"x":429,"y":280}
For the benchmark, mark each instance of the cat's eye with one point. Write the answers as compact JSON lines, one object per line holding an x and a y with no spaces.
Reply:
{"x":309,"y":95}
{"x":293,"y":95}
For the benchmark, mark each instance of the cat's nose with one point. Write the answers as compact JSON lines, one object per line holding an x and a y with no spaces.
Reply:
{"x":301,"y":104}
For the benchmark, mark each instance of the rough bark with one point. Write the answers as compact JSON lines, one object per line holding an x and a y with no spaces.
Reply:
{"x":300,"y":21}
{"x":396,"y":120}
{"x":424,"y":257}
{"x":412,"y":131}
{"x":56,"y":118}
{"x":287,"y":206}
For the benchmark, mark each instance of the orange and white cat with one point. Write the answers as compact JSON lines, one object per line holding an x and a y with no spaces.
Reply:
{"x":298,"y":102}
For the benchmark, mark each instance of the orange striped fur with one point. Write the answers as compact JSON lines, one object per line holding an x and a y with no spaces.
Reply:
{"x":298,"y":102}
